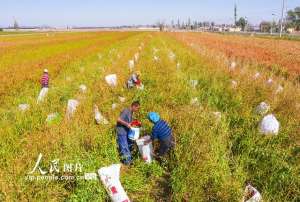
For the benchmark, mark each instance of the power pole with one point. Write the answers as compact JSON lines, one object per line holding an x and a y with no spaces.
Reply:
{"x":273,"y":23}
{"x":16,"y":25}
{"x":282,"y":14}
{"x":189,"y":23}
{"x":235,"y":14}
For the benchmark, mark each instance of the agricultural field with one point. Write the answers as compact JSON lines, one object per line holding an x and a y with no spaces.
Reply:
{"x":219,"y":148}
{"x":280,"y":55}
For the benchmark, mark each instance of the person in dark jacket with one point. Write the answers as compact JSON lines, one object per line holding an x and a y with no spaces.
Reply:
{"x":162,"y":132}
{"x":123,"y":128}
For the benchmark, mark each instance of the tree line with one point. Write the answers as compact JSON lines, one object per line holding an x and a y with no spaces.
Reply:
{"x":291,"y":21}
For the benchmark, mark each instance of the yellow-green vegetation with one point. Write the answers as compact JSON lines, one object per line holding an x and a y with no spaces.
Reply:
{"x":212,"y":160}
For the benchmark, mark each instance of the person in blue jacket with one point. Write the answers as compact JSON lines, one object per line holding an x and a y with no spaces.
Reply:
{"x":162,"y":132}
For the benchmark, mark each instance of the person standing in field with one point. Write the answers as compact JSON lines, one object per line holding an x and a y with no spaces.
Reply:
{"x":123,"y":128}
{"x":162,"y":132}
{"x":45,"y":86}
{"x":45,"y":79}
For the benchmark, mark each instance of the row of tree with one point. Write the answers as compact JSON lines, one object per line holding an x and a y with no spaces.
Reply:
{"x":292,"y":21}
{"x":189,"y":24}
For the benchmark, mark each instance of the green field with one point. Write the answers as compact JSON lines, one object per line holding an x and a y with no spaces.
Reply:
{"x":213,"y":159}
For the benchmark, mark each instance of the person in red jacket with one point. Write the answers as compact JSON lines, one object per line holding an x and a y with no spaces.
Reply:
{"x":45,"y":86}
{"x":45,"y":79}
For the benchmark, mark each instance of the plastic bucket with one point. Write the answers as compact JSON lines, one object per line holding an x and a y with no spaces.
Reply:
{"x":134,"y":133}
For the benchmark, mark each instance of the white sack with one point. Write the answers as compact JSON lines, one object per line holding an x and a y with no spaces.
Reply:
{"x":257,"y":75}
{"x":232,"y":66}
{"x":193,"y":83}
{"x":42,"y":95}
{"x":251,"y":194}
{"x":110,"y":178}
{"x":136,"y":57}
{"x":71,"y":108}
{"x":234,"y":84}
{"x":218,"y":116}
{"x":279,"y":89}
{"x":178,"y":65}
{"x":156,"y":58}
{"x":145,"y":150}
{"x":270,"y":81}
{"x":113,"y":106}
{"x":122,"y":99}
{"x":131,"y":64}
{"x":99,"y":118}
{"x":269,"y":125}
{"x":111,"y":80}
{"x":82,"y":88}
{"x":172,"y":56}
{"x":262,"y":108}
{"x":51,"y":117}
{"x":24,"y":107}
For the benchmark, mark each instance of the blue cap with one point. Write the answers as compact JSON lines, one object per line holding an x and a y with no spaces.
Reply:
{"x":153,"y":117}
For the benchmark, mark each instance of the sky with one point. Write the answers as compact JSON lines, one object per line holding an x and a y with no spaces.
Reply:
{"x":61,"y":13}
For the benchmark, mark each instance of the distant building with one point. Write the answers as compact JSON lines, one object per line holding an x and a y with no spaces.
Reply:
{"x":290,"y":30}
{"x":235,"y":29}
{"x":218,"y":29}
{"x":149,"y":28}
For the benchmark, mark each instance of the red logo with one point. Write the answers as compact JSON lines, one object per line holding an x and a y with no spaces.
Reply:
{"x":114,"y":190}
